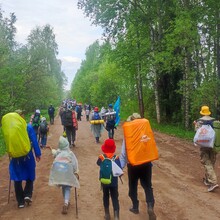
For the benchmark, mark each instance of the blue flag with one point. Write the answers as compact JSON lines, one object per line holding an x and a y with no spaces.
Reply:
{"x":117,"y":110}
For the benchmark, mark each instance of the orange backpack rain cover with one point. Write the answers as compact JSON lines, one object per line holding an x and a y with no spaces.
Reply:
{"x":140,"y":143}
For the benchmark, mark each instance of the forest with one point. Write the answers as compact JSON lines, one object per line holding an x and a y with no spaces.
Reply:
{"x":162,"y":58}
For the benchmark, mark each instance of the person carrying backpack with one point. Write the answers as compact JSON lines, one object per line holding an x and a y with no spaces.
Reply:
{"x":43,"y":129}
{"x":138,"y":151}
{"x":51,"y":111}
{"x":207,"y":154}
{"x":35,"y":121}
{"x":70,"y":125}
{"x":96,"y":128}
{"x":21,"y":168}
{"x":110,"y":117}
{"x":64,"y":171}
{"x":110,"y":189}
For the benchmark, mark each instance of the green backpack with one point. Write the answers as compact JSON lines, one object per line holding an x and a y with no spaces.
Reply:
{"x":106,"y":170}
{"x":216,"y":126}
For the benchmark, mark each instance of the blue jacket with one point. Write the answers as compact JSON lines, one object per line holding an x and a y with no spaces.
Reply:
{"x":23,"y":168}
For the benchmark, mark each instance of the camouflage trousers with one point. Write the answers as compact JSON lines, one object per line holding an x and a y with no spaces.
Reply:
{"x":208,"y":159}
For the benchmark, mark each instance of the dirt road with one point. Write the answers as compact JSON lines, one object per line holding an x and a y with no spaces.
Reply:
{"x":177,"y":181}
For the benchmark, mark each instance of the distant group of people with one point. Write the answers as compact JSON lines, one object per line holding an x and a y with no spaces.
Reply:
{"x":64,"y":170}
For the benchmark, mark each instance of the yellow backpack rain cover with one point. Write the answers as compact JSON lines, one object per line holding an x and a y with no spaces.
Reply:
{"x":140,"y":143}
{"x":14,"y":129}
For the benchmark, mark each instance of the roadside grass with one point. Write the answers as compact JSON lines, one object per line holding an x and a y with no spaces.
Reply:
{"x":2,"y":144}
{"x":174,"y":130}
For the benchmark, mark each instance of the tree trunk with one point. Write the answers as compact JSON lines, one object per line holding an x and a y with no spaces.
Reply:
{"x":186,"y":90}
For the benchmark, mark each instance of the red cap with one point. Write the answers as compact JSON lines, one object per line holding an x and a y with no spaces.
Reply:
{"x":109,"y":146}
{"x":96,"y":109}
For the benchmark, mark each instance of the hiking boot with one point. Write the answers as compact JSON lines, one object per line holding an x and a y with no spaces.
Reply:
{"x":65,"y":208}
{"x":134,"y":210}
{"x":116,"y":215}
{"x":107,"y":214}
{"x":28,"y":200}
{"x":212,"y":187}
{"x":151,"y":214}
{"x":206,"y":182}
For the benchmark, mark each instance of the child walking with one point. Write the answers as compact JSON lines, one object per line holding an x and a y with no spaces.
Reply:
{"x":64,"y":171}
{"x":111,"y":189}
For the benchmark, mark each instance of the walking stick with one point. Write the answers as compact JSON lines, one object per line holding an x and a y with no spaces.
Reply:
{"x":121,"y":179}
{"x":76,"y":203}
{"x":9,"y":185}
{"x":9,"y":190}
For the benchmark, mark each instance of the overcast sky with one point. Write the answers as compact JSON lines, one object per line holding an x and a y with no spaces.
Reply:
{"x":74,"y":32}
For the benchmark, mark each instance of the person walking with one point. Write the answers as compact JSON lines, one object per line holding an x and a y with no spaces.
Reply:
{"x":64,"y":171}
{"x":43,"y":130}
{"x":51,"y":112}
{"x":87,"y":111}
{"x":96,"y":128}
{"x":23,"y":168}
{"x":35,"y":122}
{"x":108,"y":148}
{"x":67,"y":120}
{"x":138,"y":150}
{"x":110,"y":117}
{"x":75,"y":127}
{"x":207,"y":154}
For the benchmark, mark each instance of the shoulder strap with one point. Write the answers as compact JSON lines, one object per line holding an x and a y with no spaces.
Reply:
{"x":114,"y":157}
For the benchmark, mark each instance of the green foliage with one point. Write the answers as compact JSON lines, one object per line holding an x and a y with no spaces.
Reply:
{"x":2,"y":144}
{"x":31,"y":75}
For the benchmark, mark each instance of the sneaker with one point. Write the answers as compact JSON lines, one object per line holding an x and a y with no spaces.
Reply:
{"x":151,"y":214}
{"x":28,"y":200}
{"x":134,"y":210}
{"x":65,"y":208}
{"x":20,"y":206}
{"x":206,"y":182}
{"x":212,"y":187}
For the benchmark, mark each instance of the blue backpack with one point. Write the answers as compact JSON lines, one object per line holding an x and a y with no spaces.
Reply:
{"x":96,"y":116}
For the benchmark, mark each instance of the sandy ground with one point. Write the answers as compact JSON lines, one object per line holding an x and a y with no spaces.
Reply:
{"x":177,"y":182}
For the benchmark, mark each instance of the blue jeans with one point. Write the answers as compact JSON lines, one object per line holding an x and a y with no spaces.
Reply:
{"x":43,"y":139}
{"x":66,"y":193}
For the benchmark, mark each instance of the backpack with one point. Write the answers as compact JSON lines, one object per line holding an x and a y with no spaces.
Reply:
{"x":36,"y":120}
{"x":205,"y":136}
{"x":51,"y":111}
{"x":43,"y":127}
{"x":67,"y":118}
{"x":96,"y":116}
{"x":216,"y":125}
{"x":106,"y":170}
{"x":14,"y":129}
